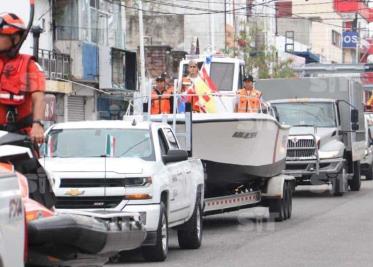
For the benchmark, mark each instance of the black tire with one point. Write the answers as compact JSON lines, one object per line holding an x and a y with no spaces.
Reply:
{"x":337,"y":189}
{"x":159,"y":252}
{"x":278,"y":207}
{"x":290,"y":200}
{"x":190,"y":235}
{"x":369,"y":173}
{"x":355,"y":182}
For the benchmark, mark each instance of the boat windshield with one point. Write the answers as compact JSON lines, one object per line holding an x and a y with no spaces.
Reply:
{"x":222,"y":74}
{"x":307,"y":114}
{"x":85,"y":143}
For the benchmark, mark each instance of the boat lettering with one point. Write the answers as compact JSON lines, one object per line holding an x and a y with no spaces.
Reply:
{"x":245,"y":135}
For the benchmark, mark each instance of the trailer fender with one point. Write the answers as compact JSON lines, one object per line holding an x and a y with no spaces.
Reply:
{"x":275,"y":186}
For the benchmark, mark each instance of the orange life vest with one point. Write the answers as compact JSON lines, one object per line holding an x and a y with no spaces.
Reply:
{"x":249,"y":100}
{"x":161,"y":101}
{"x":14,"y":80}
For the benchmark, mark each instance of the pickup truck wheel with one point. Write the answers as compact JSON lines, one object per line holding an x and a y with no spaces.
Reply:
{"x":355,"y":182}
{"x":277,"y":207}
{"x":369,"y":173}
{"x":190,"y":237}
{"x":160,"y":250}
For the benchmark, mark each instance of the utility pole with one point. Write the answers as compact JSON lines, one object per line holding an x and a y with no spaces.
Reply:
{"x":357,"y":30}
{"x":142,"y":50}
{"x":234,"y":28}
{"x":225,"y":25}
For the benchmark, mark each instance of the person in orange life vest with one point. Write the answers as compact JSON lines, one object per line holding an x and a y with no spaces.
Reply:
{"x":161,"y":97}
{"x":22,"y":83}
{"x":249,"y":98}
{"x":188,"y":85}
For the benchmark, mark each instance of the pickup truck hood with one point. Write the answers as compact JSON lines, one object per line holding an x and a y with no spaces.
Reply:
{"x":320,"y":133}
{"x":116,"y":165}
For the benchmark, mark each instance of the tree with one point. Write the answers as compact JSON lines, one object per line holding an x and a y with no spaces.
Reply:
{"x":258,"y":57}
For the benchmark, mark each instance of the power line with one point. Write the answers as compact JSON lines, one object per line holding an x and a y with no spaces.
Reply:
{"x":209,"y":11}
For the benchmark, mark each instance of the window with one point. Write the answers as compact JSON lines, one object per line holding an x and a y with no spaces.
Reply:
{"x":172,"y":141}
{"x":99,"y":26}
{"x":66,"y":20}
{"x":94,"y":142}
{"x":118,"y":68}
{"x":317,"y":114}
{"x":162,"y":143}
{"x":222,"y":75}
{"x":336,"y":38}
{"x":94,"y":3}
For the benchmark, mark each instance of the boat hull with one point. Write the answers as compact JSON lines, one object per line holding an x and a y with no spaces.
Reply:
{"x":237,"y":148}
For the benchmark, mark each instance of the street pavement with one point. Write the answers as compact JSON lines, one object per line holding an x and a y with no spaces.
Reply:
{"x":323,"y":231}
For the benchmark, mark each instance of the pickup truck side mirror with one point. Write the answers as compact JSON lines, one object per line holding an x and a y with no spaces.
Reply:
{"x":354,"y":119}
{"x":175,"y":156}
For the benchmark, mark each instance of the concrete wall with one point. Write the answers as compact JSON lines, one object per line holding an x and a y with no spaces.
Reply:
{"x":315,"y":31}
{"x":321,"y":43}
{"x":159,"y":30}
{"x":301,"y":27}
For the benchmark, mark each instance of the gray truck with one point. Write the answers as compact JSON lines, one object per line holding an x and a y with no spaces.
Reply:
{"x":327,"y":140}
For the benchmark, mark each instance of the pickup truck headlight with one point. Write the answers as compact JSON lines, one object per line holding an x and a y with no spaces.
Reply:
{"x":328,"y":154}
{"x":137,"y":181}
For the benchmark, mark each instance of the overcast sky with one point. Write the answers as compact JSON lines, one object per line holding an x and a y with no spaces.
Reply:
{"x":20,"y":7}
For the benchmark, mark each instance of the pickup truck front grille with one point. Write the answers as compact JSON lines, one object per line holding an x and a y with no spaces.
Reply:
{"x":88,"y":202}
{"x":301,"y":149}
{"x":91,"y":182}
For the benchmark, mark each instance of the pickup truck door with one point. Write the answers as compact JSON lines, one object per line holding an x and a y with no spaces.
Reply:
{"x":178,"y":184}
{"x":12,"y":223}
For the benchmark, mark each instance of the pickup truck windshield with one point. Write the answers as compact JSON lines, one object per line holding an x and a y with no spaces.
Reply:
{"x":85,"y":143}
{"x":317,"y":114}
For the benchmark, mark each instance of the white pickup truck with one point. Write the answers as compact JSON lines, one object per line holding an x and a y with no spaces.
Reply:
{"x":129,"y":166}
{"x":12,"y":220}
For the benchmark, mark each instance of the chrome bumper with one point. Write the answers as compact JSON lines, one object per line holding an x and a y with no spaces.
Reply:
{"x":298,"y":168}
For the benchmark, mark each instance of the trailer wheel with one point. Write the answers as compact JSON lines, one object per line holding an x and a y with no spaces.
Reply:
{"x":355,"y":182}
{"x":190,"y":236}
{"x":160,"y":250}
{"x":290,"y":200}
{"x":369,"y":173}
{"x":279,"y":208}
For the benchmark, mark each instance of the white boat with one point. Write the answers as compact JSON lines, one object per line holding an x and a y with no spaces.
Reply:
{"x":236,"y":148}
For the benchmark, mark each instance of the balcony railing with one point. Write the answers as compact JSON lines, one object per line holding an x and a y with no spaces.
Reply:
{"x":55,"y":65}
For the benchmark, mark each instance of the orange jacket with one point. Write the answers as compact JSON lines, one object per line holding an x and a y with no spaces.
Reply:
{"x":161,"y":101}
{"x":249,"y":100}
{"x":20,"y":77}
